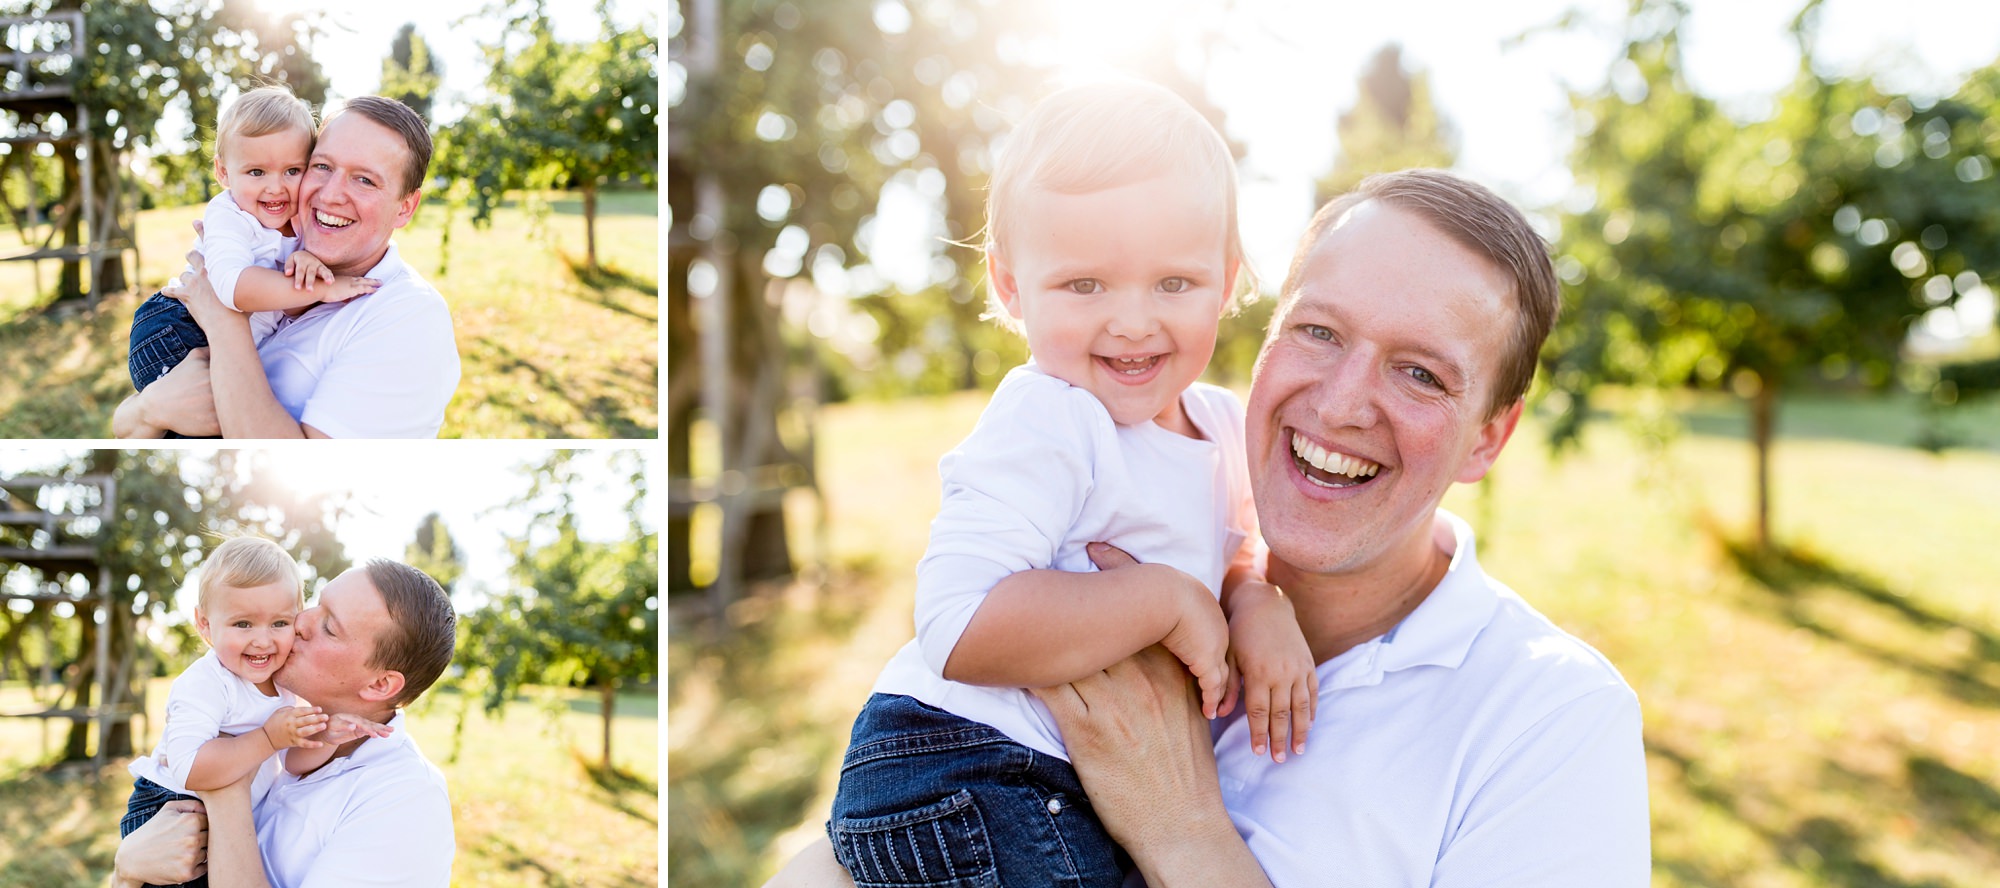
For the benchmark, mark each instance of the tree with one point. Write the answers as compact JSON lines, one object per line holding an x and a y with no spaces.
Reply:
{"x":170,"y":508}
{"x":1393,"y":125}
{"x":185,"y":55}
{"x":580,"y":115}
{"x":789,"y":120}
{"x":582,"y":612}
{"x":1757,"y":255}
{"x":434,"y":552}
{"x":410,"y":74}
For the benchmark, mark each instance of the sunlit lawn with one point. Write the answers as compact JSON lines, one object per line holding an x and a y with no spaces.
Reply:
{"x":1825,"y":716}
{"x":547,"y":348}
{"x":530,"y":806}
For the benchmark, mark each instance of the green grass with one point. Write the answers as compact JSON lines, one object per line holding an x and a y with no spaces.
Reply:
{"x":530,"y":805}
{"x":548,"y":348}
{"x":1825,"y":715}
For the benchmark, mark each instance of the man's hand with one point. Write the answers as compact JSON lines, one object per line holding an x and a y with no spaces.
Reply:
{"x":179,"y":401}
{"x":198,"y":295}
{"x":1280,"y":680}
{"x":169,"y":849}
{"x":293,"y":725}
{"x":1200,"y":636}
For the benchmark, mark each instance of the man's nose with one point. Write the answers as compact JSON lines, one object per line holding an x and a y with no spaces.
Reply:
{"x":1347,"y":395}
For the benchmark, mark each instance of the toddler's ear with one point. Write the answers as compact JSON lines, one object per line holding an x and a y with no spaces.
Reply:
{"x":1001,"y":278}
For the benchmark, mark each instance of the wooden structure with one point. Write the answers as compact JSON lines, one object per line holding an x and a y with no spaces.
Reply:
{"x":49,"y":556}
{"x":40,"y":60}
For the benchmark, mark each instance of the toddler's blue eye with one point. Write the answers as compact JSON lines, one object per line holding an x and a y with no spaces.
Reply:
{"x":1176,"y":285}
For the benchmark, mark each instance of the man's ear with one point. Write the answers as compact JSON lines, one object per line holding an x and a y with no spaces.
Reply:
{"x":1000,"y":276}
{"x":387,"y":685}
{"x":406,"y":207}
{"x":1493,"y":436}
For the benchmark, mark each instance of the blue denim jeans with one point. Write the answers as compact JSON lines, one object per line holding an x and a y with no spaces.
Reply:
{"x":163,"y":332}
{"x":147,"y":800}
{"x":930,"y":799}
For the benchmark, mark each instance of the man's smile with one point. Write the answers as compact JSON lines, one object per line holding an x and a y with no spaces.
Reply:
{"x":1329,"y":468}
{"x":329,"y":220}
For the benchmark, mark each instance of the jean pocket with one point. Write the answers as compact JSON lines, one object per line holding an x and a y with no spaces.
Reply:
{"x":940,"y":845}
{"x":158,"y":353}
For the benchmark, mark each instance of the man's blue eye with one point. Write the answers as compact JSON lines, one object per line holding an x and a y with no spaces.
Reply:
{"x":1426,"y":377}
{"x":1318,"y":332}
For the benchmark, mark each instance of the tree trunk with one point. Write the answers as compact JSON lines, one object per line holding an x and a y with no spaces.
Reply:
{"x":77,"y":749}
{"x":609,"y":690}
{"x":109,"y":274}
{"x":69,"y":284}
{"x":590,"y":221}
{"x":683,"y":374}
{"x":1763,"y":418}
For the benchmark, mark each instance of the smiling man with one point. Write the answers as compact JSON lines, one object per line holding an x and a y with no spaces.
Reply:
{"x":379,"y":366}
{"x":373,"y":811}
{"x":1461,"y":739}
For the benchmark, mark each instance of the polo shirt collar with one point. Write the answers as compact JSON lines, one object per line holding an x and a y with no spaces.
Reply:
{"x":390,"y":266}
{"x":1439,"y":632}
{"x":371,"y":751}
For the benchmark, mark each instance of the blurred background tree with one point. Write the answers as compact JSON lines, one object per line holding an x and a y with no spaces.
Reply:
{"x":797,"y":124}
{"x":1393,"y":125}
{"x":409,"y":74}
{"x":1759,"y":257}
{"x":171,"y":508}
{"x":184,"y":56}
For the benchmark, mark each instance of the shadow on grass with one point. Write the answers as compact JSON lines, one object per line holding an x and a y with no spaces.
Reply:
{"x":755,"y":771}
{"x":611,"y":277}
{"x":1955,"y":800}
{"x":1792,"y":575}
{"x":1832,"y":851}
{"x":606,"y":411}
{"x":631,"y":794}
{"x":59,"y":825}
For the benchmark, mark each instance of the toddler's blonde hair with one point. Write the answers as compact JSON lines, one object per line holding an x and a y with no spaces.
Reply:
{"x":261,"y":112}
{"x":247,"y":562}
{"x":1107,"y":134}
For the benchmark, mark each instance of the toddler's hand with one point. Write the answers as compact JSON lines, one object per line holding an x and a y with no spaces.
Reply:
{"x":344,"y":288}
{"x":1280,"y":679}
{"x":1200,"y":638}
{"x":292,"y":725}
{"x":342,"y":727}
{"x":304,"y":268}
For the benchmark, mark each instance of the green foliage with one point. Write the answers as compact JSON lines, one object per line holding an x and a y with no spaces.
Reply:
{"x":1764,"y":253}
{"x":1394,"y":125}
{"x":561,"y":115}
{"x":583,"y":612}
{"x":409,"y":74}
{"x":434,"y":552}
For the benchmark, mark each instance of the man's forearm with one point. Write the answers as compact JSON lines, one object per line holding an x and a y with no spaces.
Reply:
{"x":244,"y":404}
{"x":233,"y":859}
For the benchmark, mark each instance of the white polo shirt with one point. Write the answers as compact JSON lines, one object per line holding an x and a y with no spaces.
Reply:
{"x":377,"y":366}
{"x":206,"y":701}
{"x":231,"y":241}
{"x":379,"y":817}
{"x":1474,"y":744}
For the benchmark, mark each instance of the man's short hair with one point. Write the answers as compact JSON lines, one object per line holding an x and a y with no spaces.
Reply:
{"x":423,"y":628}
{"x":1479,"y":220}
{"x":403,"y":122}
{"x":246,"y":562}
{"x":263,"y":111}
{"x":1096,"y":136}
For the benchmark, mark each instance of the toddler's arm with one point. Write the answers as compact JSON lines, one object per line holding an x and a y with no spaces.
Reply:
{"x":1047,"y":627}
{"x":267,"y":289}
{"x":225,"y":760}
{"x":1280,"y":690}
{"x":340,"y":728}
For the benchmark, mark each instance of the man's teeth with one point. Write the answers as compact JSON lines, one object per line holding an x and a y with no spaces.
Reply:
{"x":1334,"y":463}
{"x":1132,"y":366}
{"x":331,"y":221}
